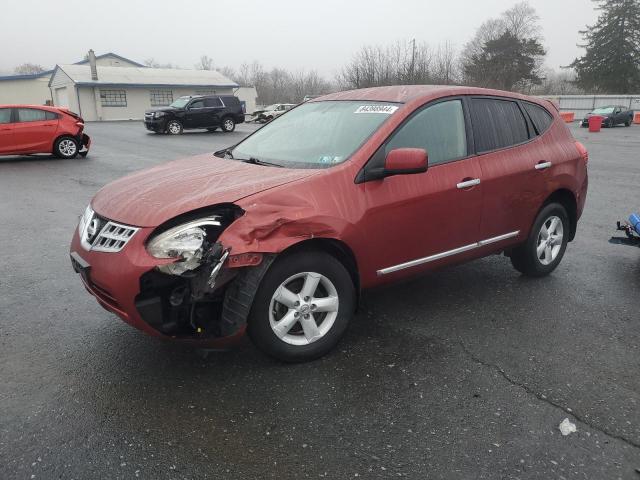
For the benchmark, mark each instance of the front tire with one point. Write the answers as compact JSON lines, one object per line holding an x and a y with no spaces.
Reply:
{"x":228,"y":125}
{"x":627,"y":123}
{"x":547,"y":242}
{"x":66,"y":147}
{"x":174,"y":127}
{"x":302,"y":307}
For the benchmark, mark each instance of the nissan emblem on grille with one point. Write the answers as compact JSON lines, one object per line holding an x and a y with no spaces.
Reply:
{"x":102,"y":235}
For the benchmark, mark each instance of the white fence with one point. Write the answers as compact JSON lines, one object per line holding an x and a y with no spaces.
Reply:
{"x":583,"y":104}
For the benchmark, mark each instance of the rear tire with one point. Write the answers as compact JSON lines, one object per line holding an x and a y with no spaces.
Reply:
{"x":228,"y":125}
{"x":174,"y":127}
{"x":302,"y":307}
{"x":66,"y":147}
{"x":627,"y":123}
{"x":547,"y":242}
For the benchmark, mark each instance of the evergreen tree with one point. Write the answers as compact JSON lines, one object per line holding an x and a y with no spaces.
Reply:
{"x":506,"y":62}
{"x":611,"y":63}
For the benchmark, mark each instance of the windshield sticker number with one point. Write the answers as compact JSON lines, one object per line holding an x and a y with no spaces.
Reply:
{"x":386,"y":109}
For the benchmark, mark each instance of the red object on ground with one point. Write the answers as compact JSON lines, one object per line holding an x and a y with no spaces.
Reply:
{"x":636,"y":118}
{"x":568,"y":117}
{"x":595,"y":123}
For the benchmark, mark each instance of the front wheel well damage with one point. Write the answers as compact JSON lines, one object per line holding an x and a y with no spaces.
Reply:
{"x":336,"y":249}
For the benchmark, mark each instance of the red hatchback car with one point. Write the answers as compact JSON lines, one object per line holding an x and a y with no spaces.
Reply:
{"x":27,"y":129}
{"x":279,"y":234}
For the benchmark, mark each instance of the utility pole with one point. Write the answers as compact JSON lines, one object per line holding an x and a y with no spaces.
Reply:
{"x":413,"y":61}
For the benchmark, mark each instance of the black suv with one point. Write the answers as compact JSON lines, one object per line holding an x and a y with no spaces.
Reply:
{"x":198,"y":111}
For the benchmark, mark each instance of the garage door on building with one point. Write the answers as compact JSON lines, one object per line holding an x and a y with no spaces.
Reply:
{"x":62,"y":99}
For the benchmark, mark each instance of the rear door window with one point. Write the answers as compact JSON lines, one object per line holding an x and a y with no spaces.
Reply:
{"x":439,"y":129}
{"x":497,"y":124}
{"x":197,"y":104}
{"x":540,"y":117}
{"x":212,"y":102}
{"x":31,"y":115}
{"x":5,"y":115}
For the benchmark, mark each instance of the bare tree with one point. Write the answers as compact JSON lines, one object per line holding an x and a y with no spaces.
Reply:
{"x":205,"y":63}
{"x":28,"y":68}
{"x":151,"y":62}
{"x":401,"y":63}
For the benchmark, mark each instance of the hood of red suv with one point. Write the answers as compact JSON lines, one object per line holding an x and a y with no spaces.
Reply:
{"x":150,"y":197}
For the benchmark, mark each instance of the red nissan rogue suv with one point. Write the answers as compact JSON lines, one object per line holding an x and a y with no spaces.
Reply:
{"x":278,"y":235}
{"x":27,"y":129}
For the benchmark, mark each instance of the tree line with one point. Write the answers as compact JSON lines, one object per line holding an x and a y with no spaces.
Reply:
{"x":506,"y":53}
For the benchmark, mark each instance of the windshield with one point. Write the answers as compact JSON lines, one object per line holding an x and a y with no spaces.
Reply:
{"x":603,"y":111}
{"x":316,"y":134}
{"x":181,"y":102}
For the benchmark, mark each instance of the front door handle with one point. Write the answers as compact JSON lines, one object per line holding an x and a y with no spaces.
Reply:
{"x":542,"y":165}
{"x":468,"y":183}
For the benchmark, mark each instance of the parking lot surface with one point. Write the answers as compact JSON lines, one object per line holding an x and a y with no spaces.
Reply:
{"x":463,"y":373}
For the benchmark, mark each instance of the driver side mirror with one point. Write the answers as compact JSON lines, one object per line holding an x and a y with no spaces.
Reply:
{"x":404,"y":161}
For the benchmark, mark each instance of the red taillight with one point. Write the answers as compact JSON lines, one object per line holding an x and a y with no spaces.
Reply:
{"x":80,"y":123}
{"x":583,"y":152}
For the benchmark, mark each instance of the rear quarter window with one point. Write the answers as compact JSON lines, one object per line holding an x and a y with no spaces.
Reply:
{"x":497,"y":124}
{"x":540,"y":117}
{"x":50,"y":115}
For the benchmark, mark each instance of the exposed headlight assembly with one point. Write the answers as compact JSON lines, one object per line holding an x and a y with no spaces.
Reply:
{"x":159,"y":114}
{"x":183,"y":243}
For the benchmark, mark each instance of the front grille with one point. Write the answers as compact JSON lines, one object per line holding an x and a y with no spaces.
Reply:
{"x":103,"y":235}
{"x":113,"y":237}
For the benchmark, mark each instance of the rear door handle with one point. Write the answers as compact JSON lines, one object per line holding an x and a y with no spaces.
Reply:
{"x":542,"y":165}
{"x":468,"y":183}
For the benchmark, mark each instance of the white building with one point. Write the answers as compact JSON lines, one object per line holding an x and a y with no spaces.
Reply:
{"x":34,"y":88}
{"x":110,"y":87}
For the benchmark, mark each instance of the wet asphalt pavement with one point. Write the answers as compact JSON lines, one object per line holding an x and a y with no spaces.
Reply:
{"x":464,"y":373}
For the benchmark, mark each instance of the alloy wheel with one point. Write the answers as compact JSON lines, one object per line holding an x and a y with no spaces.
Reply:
{"x":549,"y":241}
{"x":67,"y":147}
{"x":174,"y":128}
{"x":303,"y":308}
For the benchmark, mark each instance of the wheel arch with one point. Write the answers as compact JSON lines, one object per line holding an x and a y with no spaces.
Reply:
{"x":567,"y":199}
{"x":60,"y":137}
{"x":337,"y":249}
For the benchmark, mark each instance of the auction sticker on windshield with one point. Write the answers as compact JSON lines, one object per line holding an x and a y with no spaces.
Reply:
{"x":388,"y":109}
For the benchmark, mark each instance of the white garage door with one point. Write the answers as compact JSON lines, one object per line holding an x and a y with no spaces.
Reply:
{"x":62,"y":100}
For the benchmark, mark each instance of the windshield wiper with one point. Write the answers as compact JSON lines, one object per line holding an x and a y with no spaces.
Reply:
{"x":256,"y":161}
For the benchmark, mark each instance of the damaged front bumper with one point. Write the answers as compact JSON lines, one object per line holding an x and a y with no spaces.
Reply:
{"x":209,"y":305}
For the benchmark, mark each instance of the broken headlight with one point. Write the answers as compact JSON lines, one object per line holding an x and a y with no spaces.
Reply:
{"x":183,"y":243}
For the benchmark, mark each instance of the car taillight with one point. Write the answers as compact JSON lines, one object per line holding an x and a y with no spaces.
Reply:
{"x":583,"y":152}
{"x":80,"y":123}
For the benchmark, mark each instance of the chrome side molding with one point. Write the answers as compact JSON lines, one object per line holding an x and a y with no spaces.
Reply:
{"x":448,"y":253}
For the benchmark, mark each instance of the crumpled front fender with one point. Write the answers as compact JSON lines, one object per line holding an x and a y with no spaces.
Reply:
{"x":272,"y":228}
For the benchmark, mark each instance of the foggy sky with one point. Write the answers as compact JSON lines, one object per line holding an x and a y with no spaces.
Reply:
{"x":294,"y":34}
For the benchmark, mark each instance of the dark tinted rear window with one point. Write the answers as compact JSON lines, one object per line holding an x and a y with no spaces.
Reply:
{"x":540,"y":117}
{"x":231,"y":101}
{"x":497,"y":124}
{"x":212,"y":102}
